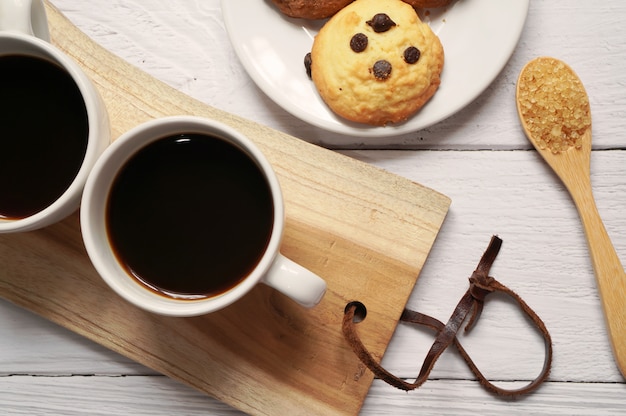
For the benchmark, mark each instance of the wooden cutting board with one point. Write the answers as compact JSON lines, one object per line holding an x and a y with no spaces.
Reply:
{"x":366,"y":231}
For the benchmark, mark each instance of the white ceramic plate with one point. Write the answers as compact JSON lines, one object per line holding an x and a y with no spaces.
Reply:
{"x":478,"y":37}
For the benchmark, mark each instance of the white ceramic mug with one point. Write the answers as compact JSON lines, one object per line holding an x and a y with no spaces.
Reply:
{"x":24,"y":32}
{"x":271,"y":267}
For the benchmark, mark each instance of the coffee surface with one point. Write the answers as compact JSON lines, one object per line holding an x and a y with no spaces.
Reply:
{"x":43,"y":134}
{"x":190,"y":216}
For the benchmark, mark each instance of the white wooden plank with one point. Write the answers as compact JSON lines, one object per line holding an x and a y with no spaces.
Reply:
{"x":544,"y":258}
{"x":157,"y":396}
{"x":149,"y":34}
{"x":79,"y":396}
{"x":445,"y":397}
{"x":32,"y":345}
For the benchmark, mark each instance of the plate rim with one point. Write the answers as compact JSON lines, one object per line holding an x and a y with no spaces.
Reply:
{"x":346,"y":127}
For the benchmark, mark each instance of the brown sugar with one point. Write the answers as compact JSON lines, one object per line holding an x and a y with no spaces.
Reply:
{"x":554,"y":105}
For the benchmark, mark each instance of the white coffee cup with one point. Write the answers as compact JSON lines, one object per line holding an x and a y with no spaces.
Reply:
{"x":24,"y":32}
{"x":271,"y":267}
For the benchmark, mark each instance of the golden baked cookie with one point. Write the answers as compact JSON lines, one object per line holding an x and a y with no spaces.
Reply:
{"x":375,"y":62}
{"x":310,"y":9}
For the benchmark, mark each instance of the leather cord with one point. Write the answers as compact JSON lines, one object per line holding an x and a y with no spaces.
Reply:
{"x":471,"y":304}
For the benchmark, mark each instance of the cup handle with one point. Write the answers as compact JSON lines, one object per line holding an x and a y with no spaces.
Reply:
{"x":293,"y":280}
{"x":24,"y":16}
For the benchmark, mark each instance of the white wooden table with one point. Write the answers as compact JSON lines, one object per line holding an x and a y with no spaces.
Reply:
{"x":478,"y":157}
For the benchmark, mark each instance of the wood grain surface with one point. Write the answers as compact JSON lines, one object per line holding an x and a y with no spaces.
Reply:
{"x":572,"y":164}
{"x":364,"y":230}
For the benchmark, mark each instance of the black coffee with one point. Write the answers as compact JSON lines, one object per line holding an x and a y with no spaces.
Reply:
{"x":190,"y":216}
{"x":43,"y":134}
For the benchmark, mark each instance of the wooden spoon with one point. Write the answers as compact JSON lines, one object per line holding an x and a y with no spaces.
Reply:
{"x":554,"y":110}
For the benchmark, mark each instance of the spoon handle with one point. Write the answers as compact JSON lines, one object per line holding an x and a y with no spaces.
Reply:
{"x":610,"y":275}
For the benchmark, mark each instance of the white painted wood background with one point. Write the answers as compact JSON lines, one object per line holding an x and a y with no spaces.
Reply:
{"x":478,"y":157}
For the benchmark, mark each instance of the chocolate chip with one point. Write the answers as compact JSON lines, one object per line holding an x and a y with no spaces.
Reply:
{"x":358,"y":43}
{"x":411,"y":55}
{"x":381,"y":23}
{"x":382,"y":70}
{"x":307,"y":64}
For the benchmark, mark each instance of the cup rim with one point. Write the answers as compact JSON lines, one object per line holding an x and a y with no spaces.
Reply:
{"x":93,"y":221}
{"x":97,"y":119}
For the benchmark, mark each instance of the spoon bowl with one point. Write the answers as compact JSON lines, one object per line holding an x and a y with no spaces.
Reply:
{"x":554,"y":111}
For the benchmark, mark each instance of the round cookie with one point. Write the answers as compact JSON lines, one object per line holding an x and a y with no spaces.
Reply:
{"x":375,"y":62}
{"x":310,"y":9}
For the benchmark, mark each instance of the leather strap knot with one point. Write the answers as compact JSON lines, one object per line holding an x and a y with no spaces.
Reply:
{"x":481,"y":284}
